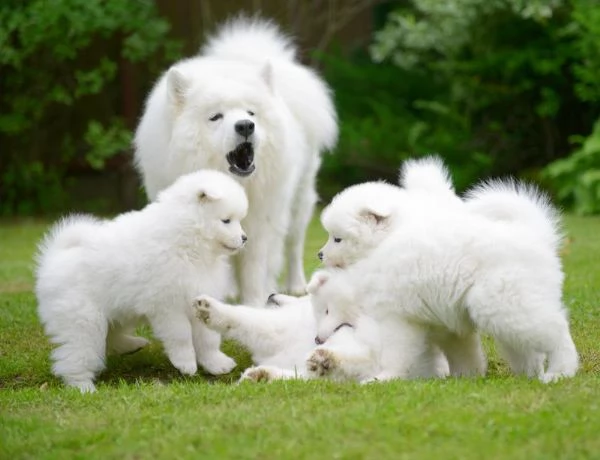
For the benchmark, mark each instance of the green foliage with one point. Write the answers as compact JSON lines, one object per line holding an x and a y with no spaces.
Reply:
{"x":388,"y":115}
{"x":576,"y":178}
{"x":521,"y":75}
{"x":59,"y":90}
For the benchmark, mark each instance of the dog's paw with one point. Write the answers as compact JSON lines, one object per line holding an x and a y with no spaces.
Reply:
{"x":203,"y":308}
{"x":321,"y":362}
{"x":218,"y":364}
{"x":128,"y":344}
{"x":84,"y":386}
{"x":187,"y":368}
{"x":553,"y":377}
{"x":256,"y":374}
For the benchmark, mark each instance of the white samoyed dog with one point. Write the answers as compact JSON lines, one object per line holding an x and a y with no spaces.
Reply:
{"x":282,"y":340}
{"x":247,"y":107}
{"x":490,"y":265}
{"x":96,"y":279}
{"x":360,"y":217}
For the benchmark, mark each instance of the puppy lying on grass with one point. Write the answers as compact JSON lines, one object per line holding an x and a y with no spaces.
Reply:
{"x":97,"y":279}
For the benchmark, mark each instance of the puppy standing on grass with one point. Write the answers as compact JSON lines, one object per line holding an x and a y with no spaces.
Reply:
{"x":490,"y":265}
{"x":96,"y":279}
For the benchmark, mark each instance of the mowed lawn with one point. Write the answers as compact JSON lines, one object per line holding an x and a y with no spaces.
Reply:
{"x":144,"y":409}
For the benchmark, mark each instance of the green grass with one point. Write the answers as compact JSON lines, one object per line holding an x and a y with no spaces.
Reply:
{"x":144,"y":409}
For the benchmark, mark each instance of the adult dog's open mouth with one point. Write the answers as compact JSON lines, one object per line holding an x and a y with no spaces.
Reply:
{"x":241,"y":159}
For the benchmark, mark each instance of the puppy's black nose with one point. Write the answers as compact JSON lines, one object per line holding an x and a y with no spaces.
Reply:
{"x":244,"y":238}
{"x":244,"y":127}
{"x":318,"y":341}
{"x":320,"y":255}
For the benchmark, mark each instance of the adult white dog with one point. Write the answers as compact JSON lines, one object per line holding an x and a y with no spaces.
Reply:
{"x":245,"y":106}
{"x":490,"y":265}
{"x":96,"y":279}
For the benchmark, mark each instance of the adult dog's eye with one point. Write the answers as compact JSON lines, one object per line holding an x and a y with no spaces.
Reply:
{"x":216,"y":116}
{"x":327,"y":311}
{"x":226,"y":221}
{"x":251,"y":113}
{"x":337,"y":240}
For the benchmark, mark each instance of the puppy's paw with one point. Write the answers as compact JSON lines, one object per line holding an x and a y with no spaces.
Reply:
{"x":552,"y":377}
{"x":203,"y":308}
{"x":187,"y":368}
{"x":84,"y":386}
{"x":217,"y":363}
{"x":256,"y":374}
{"x":321,"y":362}
{"x":128,"y":344}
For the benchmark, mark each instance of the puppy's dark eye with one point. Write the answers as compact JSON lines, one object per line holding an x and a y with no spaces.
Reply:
{"x":327,"y":311}
{"x":337,"y":240}
{"x":251,"y":113}
{"x":226,"y":221}
{"x":216,"y":116}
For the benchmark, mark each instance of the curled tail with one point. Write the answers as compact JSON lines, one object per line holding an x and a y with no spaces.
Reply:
{"x":427,"y":174}
{"x":69,"y":232}
{"x":250,"y":39}
{"x":518,"y":202}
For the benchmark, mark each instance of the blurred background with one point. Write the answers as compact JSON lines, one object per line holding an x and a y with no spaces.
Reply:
{"x":496,"y":87}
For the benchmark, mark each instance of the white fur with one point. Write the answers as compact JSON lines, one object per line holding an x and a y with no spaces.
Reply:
{"x":282,"y":341}
{"x":247,"y":71}
{"x":96,"y":279}
{"x":360,"y":217}
{"x":488,"y":265}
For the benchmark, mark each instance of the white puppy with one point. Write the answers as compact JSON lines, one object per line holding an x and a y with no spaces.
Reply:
{"x":490,"y":265}
{"x":96,"y":279}
{"x":360,"y":217}
{"x":282,"y":340}
{"x":245,"y":106}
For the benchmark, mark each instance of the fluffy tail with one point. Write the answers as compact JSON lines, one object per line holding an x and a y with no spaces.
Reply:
{"x":259,"y":41}
{"x":69,"y":232}
{"x":427,"y":174}
{"x":250,"y":39}
{"x":515,"y":201}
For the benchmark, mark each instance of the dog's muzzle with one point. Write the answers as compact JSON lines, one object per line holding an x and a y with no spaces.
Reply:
{"x":320,"y":341}
{"x":241,"y":159}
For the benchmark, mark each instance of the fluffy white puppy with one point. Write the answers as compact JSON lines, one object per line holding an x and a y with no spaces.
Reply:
{"x":490,"y":265}
{"x":247,"y":107}
{"x":96,"y":279}
{"x":360,"y":217}
{"x":282,"y":340}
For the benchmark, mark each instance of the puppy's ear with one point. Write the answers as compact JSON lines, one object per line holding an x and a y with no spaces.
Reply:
{"x":376,"y":215}
{"x":318,"y":279}
{"x":266,"y":74}
{"x":177,"y":84}
{"x":206,"y":195}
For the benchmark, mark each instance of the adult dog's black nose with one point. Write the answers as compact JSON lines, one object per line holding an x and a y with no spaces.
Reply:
{"x":244,"y":238}
{"x":320,"y":255}
{"x":244,"y":127}
{"x":318,"y":341}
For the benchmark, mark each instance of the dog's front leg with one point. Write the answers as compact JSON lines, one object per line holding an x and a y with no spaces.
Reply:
{"x":252,"y":266}
{"x":175,"y":332}
{"x":343,"y":357}
{"x":207,"y":344}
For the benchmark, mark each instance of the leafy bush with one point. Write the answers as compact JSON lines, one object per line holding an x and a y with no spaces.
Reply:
{"x":59,"y":90}
{"x":520,"y":74}
{"x":385,"y":117}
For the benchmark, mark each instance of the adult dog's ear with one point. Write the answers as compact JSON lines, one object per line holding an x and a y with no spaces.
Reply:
{"x":266,"y":73}
{"x":177,"y":84}
{"x":376,"y":215}
{"x":318,"y":279}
